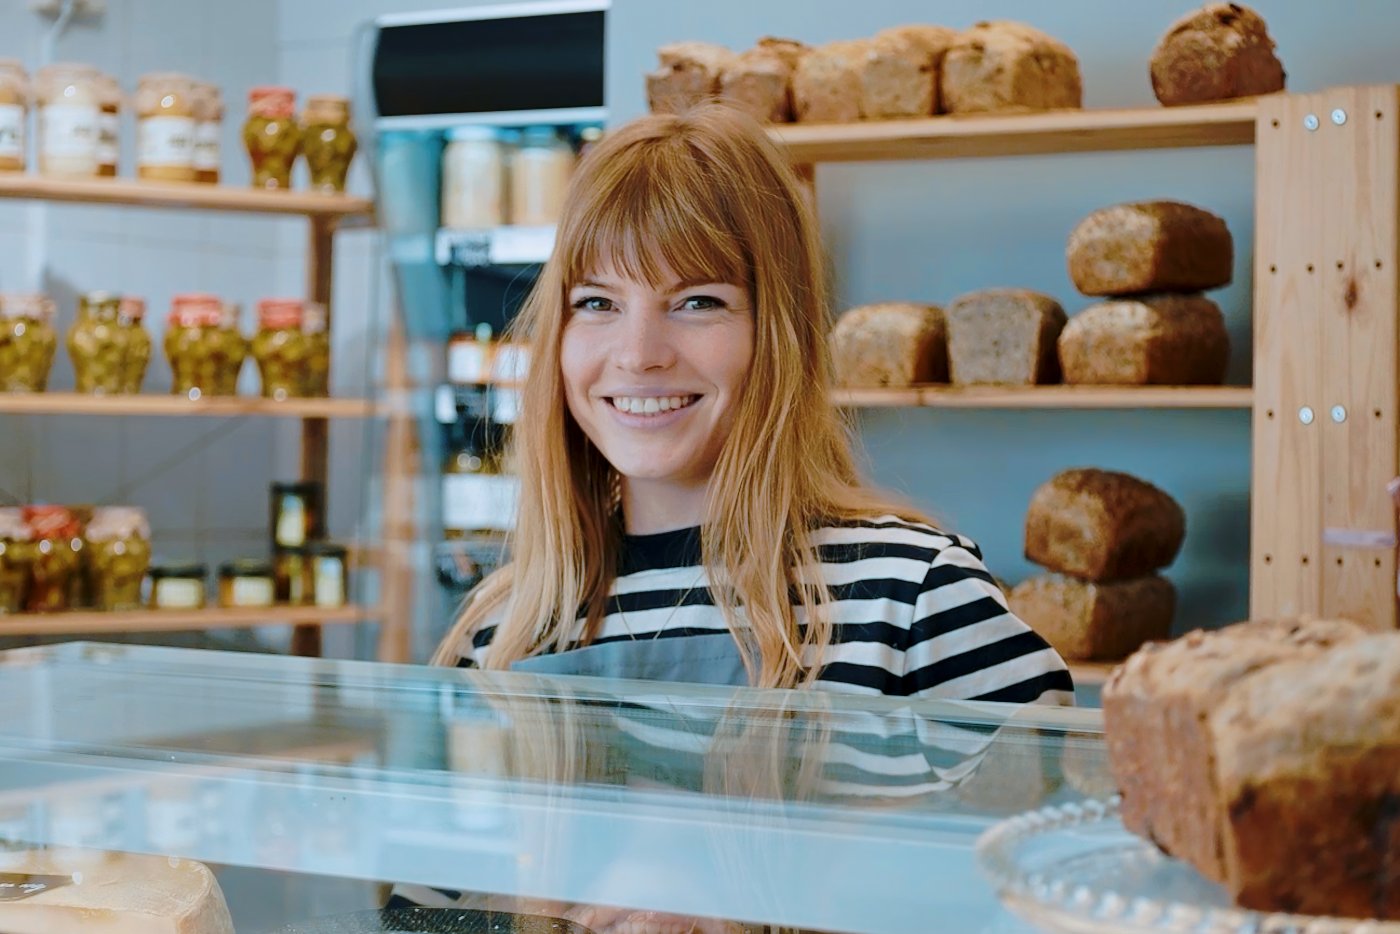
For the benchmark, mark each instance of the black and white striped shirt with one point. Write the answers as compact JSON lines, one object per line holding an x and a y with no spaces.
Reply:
{"x":915,"y":613}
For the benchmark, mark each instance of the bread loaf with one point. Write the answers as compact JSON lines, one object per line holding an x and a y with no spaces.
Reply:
{"x":759,"y":81}
{"x":690,"y":74}
{"x":1096,"y":622}
{"x":1161,"y":339}
{"x":1004,"y":337}
{"x":898,"y":78}
{"x":826,"y":84}
{"x":890,"y":344}
{"x":115,"y":893}
{"x":1009,"y":66}
{"x":1157,"y":708}
{"x":1219,"y":52}
{"x":1307,"y":753}
{"x":1102,"y":525}
{"x":1150,"y":246}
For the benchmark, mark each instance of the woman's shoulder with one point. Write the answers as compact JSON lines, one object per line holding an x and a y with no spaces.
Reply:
{"x":890,"y":532}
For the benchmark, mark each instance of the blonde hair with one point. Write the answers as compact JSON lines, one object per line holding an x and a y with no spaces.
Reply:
{"x":704,"y":195}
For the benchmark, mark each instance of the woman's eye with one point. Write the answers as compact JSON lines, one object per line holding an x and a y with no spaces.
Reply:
{"x":701,"y":303}
{"x":593,"y":303}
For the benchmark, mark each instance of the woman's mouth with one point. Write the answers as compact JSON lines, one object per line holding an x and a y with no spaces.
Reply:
{"x":651,"y":405}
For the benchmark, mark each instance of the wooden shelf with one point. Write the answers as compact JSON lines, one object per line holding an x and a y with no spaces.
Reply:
{"x":188,"y":195}
{"x":92,"y":621}
{"x":72,"y":403}
{"x":1091,"y":674}
{"x":1050,"y":397}
{"x":1063,"y":131}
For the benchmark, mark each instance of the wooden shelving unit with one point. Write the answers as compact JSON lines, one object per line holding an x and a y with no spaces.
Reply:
{"x":1050,"y":397}
{"x":96,"y":623}
{"x":185,"y":196}
{"x":72,"y":403}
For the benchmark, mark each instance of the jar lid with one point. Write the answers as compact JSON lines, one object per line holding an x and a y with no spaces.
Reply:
{"x":12,"y":525}
{"x":167,"y":77}
{"x":68,"y":68}
{"x":473,"y":133}
{"x":539,"y":134}
{"x":272,"y":101}
{"x":196,"y":310}
{"x":246,"y":567}
{"x":109,"y":89}
{"x":133,"y":307}
{"x":51,"y":521}
{"x":327,"y":550}
{"x":330,"y":107}
{"x":183,"y":571}
{"x":26,"y":305}
{"x":104,"y":301}
{"x":298,"y":487}
{"x":229,"y":315}
{"x":109,"y":523}
{"x":278,"y":313}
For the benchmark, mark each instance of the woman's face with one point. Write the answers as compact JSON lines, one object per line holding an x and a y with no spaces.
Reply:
{"x":653,"y":374}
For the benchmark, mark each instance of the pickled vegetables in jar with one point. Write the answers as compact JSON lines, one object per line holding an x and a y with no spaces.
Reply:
{"x":235,"y":347}
{"x":27,"y":342}
{"x":130,"y":315}
{"x":97,"y":344}
{"x":281,"y":349}
{"x":17,"y":552}
{"x":327,"y":141}
{"x":318,"y":349}
{"x":272,"y":136}
{"x":204,"y":357}
{"x":57,"y":550}
{"x":118,"y":555}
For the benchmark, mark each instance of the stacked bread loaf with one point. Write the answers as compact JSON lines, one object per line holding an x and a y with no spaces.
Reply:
{"x":1103,"y":536}
{"x":905,"y":71}
{"x":1265,"y":755}
{"x":1152,"y":260}
{"x":1219,"y":52}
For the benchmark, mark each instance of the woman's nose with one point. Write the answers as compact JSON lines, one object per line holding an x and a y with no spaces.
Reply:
{"x":645,"y":344}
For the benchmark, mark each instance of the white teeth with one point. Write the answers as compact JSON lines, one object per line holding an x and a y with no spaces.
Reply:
{"x":651,"y":405}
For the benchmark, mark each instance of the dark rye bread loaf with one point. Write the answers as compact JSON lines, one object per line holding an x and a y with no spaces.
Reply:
{"x":1157,"y":709}
{"x":1096,"y":622}
{"x":1219,"y":52}
{"x":1103,"y":525}
{"x":1162,"y":340}
{"x":1150,"y":246}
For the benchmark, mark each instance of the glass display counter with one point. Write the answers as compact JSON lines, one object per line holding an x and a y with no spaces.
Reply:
{"x":308,"y":787}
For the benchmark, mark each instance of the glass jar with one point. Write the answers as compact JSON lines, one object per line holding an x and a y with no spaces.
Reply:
{"x":69,"y":117}
{"x":17,"y":553}
{"x":27,"y":342}
{"x":130,"y":315}
{"x":245,"y":583}
{"x":235,"y":349}
{"x":204,"y":357}
{"x":473,"y":178}
{"x":165,"y":128}
{"x":327,"y":142}
{"x":293,"y":577}
{"x":280,"y":348}
{"x":14,"y":108}
{"x":539,"y":177}
{"x":177,"y":587}
{"x":314,"y":326}
{"x":57,"y":553}
{"x":97,"y":344}
{"x":329,"y":573}
{"x":272,"y":136}
{"x":109,"y":123}
{"x":208,"y":132}
{"x":298,"y":514}
{"x":118,"y":555}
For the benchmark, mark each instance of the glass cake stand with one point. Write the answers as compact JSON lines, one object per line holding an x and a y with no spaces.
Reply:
{"x":1075,"y":869}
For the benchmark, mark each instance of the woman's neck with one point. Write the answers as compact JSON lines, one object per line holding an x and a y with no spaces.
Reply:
{"x":649,"y":506}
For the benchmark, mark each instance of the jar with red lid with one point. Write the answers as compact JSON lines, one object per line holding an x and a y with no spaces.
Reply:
{"x":17,"y":553}
{"x":118,"y":547}
{"x":27,"y":342}
{"x":204,"y":357}
{"x":58,"y":546}
{"x":281,"y":348}
{"x":272,"y":136}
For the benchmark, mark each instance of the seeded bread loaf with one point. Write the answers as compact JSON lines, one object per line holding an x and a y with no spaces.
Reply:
{"x":1150,"y":246}
{"x":898,"y":78}
{"x":1102,"y":525}
{"x":890,"y":344}
{"x":1004,"y":337}
{"x":1307,"y":754}
{"x":1169,"y":339}
{"x":1216,"y":53}
{"x":1157,"y":708}
{"x":1005,"y":65}
{"x":934,"y":41}
{"x":826,"y":84}
{"x":690,"y":74}
{"x":1096,"y":622}
{"x":759,"y":81}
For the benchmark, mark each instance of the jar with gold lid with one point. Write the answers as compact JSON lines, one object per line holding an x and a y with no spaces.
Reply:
{"x":327,"y":141}
{"x":109,"y":94}
{"x":272,"y":136}
{"x":329,"y":573}
{"x":57,"y":554}
{"x":118,"y":540}
{"x":200,"y":350}
{"x":97,"y":344}
{"x":17,"y":553}
{"x":177,"y":587}
{"x":208,"y":132}
{"x":314,"y":325}
{"x":165,"y":127}
{"x":70,"y":111}
{"x":27,"y":342}
{"x":280,"y":348}
{"x":246,"y":582}
{"x":130,"y":315}
{"x":14,"y":109}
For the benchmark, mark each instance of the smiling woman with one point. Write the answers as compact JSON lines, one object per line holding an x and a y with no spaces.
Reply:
{"x":690,"y":507}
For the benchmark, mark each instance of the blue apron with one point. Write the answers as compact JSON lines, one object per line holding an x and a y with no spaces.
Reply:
{"x":711,"y":659}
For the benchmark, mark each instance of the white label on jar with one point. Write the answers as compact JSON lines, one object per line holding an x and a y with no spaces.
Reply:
{"x":466,"y":362}
{"x":11,"y":131}
{"x":473,"y":502}
{"x":108,"y":146}
{"x":330,"y":582}
{"x":291,"y":522}
{"x":166,"y":141}
{"x":206,"y":146}
{"x":178,"y":593}
{"x":70,"y":131}
{"x":251,"y":591}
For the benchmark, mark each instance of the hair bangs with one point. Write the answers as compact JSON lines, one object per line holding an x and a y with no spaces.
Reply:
{"x":649,"y":218}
